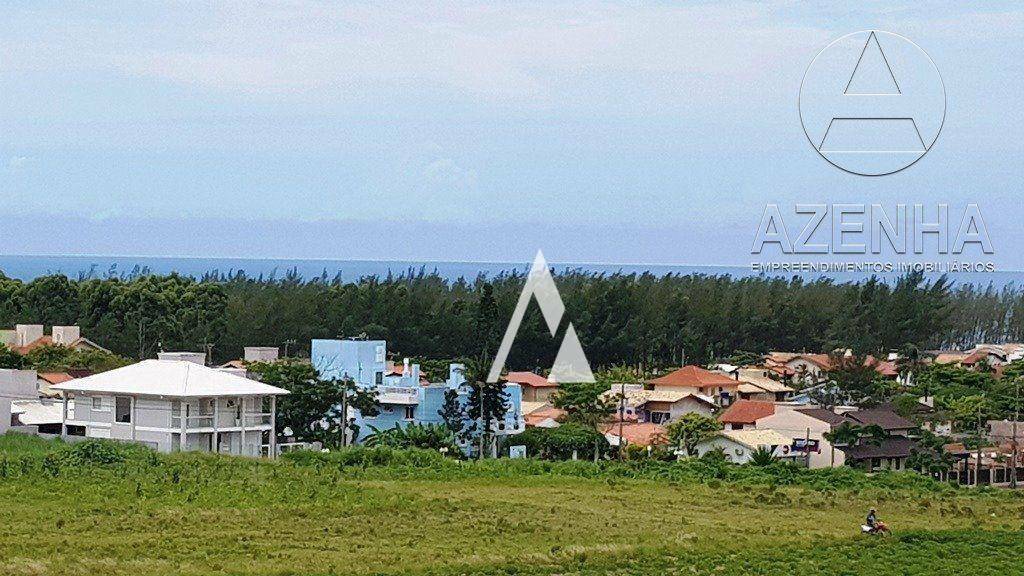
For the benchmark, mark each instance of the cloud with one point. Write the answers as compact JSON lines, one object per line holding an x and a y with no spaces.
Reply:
{"x":18,"y":163}
{"x":445,"y":173}
{"x":534,"y":56}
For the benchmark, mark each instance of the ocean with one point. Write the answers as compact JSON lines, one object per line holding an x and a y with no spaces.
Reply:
{"x":28,"y":267}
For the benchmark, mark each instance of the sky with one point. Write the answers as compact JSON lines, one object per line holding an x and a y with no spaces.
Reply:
{"x":599,"y":132}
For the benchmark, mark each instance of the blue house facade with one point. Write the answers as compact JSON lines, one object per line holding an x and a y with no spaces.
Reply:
{"x":403,"y":396}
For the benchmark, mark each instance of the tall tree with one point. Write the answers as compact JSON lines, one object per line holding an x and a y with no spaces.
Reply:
{"x":692,"y":429}
{"x":587,"y":404}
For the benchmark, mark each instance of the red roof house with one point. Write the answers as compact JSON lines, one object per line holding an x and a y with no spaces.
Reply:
{"x":713,"y":384}
{"x":746,"y":413}
{"x":536,"y":388}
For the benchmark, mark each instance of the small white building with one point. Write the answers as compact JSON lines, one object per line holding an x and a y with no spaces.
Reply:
{"x":15,"y":385}
{"x":739,"y":445}
{"x":174,"y":405}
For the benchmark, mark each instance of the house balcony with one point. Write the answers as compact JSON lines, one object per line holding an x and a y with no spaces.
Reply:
{"x":224,"y":421}
{"x":398,"y":395}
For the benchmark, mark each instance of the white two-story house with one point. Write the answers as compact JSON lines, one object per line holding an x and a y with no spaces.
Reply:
{"x":174,"y":405}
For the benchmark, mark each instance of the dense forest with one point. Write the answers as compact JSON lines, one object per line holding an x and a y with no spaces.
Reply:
{"x":621,"y":319}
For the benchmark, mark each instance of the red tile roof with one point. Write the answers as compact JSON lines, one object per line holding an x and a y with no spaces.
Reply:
{"x":695,"y":377}
{"x":530,"y":379}
{"x":886,"y":368}
{"x":537,"y":416}
{"x":883,"y":367}
{"x":56,"y":377}
{"x":645,"y":434}
{"x":44,"y":341}
{"x":399,"y":370}
{"x":48,"y":341}
{"x":747,"y":412}
{"x":822,"y":360}
{"x":975,"y":357}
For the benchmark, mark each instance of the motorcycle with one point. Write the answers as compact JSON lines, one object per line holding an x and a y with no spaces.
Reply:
{"x":880,"y":528}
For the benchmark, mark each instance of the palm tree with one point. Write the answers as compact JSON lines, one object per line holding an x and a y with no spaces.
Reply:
{"x":848,"y":434}
{"x":762,"y":456}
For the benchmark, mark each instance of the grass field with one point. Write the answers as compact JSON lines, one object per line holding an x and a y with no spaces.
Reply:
{"x":190,"y":514}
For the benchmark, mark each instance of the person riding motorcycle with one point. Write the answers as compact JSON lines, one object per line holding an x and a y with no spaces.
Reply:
{"x":872,"y":520}
{"x":873,"y":525}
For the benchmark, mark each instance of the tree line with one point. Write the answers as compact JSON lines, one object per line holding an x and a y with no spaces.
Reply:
{"x":640,"y":320}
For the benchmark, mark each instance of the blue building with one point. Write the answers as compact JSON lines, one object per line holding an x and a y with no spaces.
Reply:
{"x":403,"y":395}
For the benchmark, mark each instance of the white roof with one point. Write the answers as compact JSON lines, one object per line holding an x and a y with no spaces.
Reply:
{"x":639,"y":397}
{"x":755,"y":438}
{"x":174,"y":378}
{"x":757,"y":377}
{"x":35,"y":412}
{"x":531,"y":407}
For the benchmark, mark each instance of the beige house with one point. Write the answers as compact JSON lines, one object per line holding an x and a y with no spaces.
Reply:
{"x":803,"y":423}
{"x":27,"y":337}
{"x":719,"y":387}
{"x":535,"y":387}
{"x":659,"y":406}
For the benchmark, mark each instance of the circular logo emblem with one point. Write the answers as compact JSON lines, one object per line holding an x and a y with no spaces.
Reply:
{"x":872,"y":103}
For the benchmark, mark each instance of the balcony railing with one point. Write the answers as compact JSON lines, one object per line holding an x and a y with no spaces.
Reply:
{"x":224,"y":421}
{"x":257,"y":419}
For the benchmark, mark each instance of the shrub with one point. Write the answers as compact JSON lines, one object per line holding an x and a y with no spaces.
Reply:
{"x":425,"y":436}
{"x":562,"y":442}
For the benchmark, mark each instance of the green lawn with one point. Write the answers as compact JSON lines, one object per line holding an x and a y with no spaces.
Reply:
{"x":188,"y":514}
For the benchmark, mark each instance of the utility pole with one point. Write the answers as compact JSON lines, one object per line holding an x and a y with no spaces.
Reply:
{"x":807,"y":449}
{"x":483,"y":430}
{"x":344,"y":414}
{"x":1016,"y":417}
{"x":977,"y":462}
{"x":622,"y":417}
{"x":287,"y":343}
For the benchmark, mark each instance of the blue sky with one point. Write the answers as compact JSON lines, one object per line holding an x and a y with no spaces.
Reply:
{"x":611,"y":132}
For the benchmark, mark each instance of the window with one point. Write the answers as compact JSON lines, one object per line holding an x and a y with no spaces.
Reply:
{"x":410,"y":412}
{"x":379,"y":378}
{"x":123,"y":409}
{"x":660,"y":417}
{"x":206,"y":407}
{"x":97,"y":403}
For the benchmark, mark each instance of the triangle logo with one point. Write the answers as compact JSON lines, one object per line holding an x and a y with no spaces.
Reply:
{"x":872,"y":75}
{"x":571,"y":363}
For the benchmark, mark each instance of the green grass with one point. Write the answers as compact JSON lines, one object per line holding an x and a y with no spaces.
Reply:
{"x":384,"y":512}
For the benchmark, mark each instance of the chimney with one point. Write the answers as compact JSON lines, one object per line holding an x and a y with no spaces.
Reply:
{"x":415,"y":374}
{"x":456,"y":375}
{"x":66,"y":335}
{"x":194,"y":357}
{"x":405,"y":367}
{"x":26,"y":334}
{"x":261,"y":353}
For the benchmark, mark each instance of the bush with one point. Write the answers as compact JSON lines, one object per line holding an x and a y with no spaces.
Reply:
{"x":425,"y":436}
{"x":560,"y":443}
{"x":95,"y":452}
